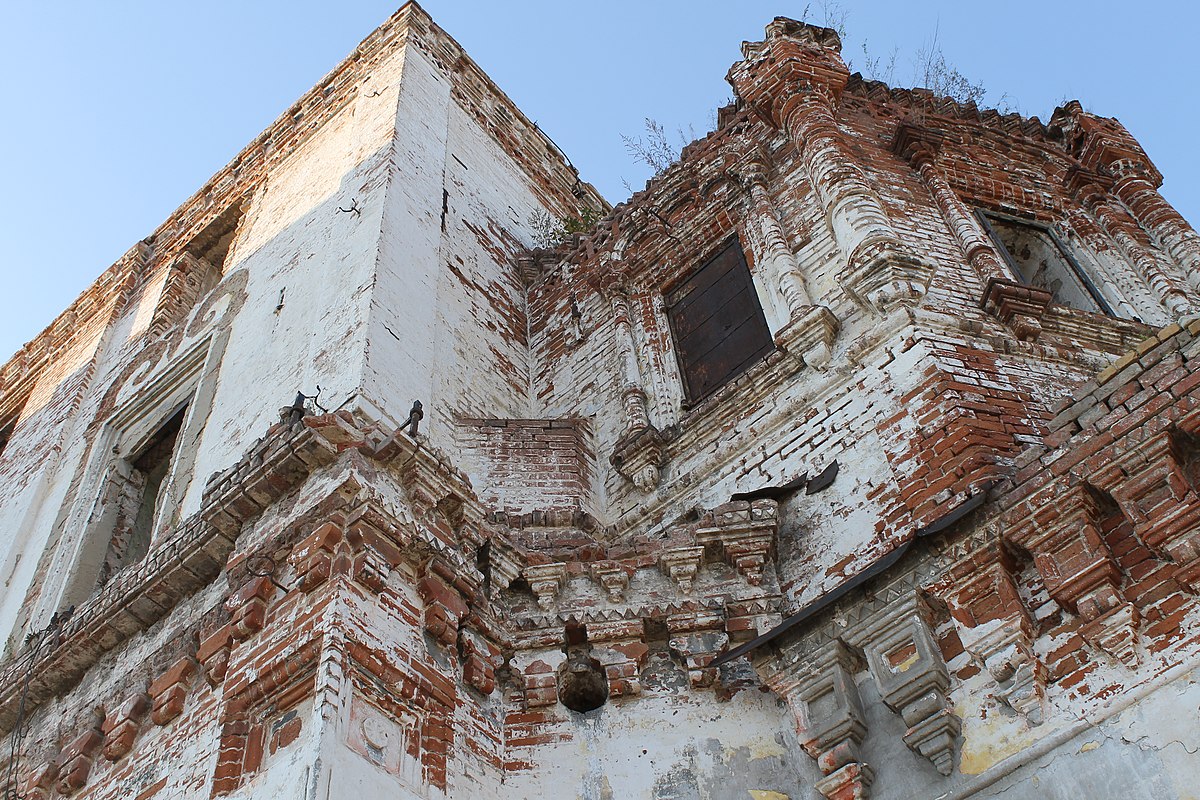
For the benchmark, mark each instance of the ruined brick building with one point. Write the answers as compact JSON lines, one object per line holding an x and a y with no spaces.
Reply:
{"x":857,"y":456}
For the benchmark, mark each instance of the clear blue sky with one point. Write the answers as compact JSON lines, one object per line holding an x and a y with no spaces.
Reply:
{"x":116,"y":112}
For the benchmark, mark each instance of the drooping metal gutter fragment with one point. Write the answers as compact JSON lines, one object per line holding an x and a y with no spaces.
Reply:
{"x":971,"y":503}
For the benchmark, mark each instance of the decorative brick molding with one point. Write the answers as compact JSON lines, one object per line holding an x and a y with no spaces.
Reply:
{"x":919,"y":146}
{"x":803,"y":328}
{"x":1103,"y":145}
{"x":168,"y":692}
{"x":76,"y":760}
{"x":1094,"y":191}
{"x":796,"y":77}
{"x":1019,"y":306}
{"x":828,"y":713}
{"x":122,"y":724}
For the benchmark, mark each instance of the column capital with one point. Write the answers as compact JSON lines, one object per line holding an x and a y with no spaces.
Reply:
{"x":916,"y":144}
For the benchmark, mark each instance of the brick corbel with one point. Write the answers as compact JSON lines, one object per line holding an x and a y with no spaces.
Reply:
{"x":911,"y":675}
{"x":445,"y":605}
{"x":76,"y":760}
{"x":169,"y":691}
{"x":213,"y":654}
{"x":480,"y":658}
{"x":40,"y":783}
{"x":622,"y":663}
{"x":122,"y":724}
{"x":1080,"y":573}
{"x":248,"y":606}
{"x":745,"y":532}
{"x":1158,"y":496}
{"x":995,"y":628}
{"x":822,"y":695}
{"x":315,"y":557}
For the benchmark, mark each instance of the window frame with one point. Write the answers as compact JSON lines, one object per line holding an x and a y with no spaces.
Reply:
{"x":1068,"y":256}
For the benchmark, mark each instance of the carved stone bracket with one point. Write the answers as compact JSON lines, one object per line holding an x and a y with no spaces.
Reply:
{"x":1005,"y":650}
{"x":546,"y":581}
{"x":824,"y":701}
{"x":169,"y":691}
{"x":913,"y":681}
{"x":881,"y":276}
{"x":1019,"y":306}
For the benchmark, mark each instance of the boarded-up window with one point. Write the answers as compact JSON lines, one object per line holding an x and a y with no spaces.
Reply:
{"x":718,"y":325}
{"x":1038,"y":258}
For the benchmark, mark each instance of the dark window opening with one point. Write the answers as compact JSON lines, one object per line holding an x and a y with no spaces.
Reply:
{"x":5,"y":435}
{"x":1039,"y":258}
{"x":212,"y":244}
{"x":139,"y":494}
{"x":717,"y":323}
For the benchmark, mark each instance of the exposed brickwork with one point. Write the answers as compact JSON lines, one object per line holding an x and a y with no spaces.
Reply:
{"x":951,"y":525}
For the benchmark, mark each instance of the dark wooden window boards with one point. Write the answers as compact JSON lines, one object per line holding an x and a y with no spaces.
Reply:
{"x":717,"y":323}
